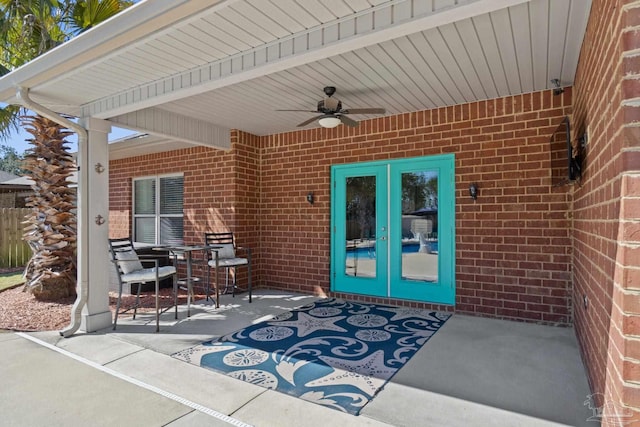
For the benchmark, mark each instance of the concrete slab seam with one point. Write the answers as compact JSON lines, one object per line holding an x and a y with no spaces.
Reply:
{"x":164,"y":393}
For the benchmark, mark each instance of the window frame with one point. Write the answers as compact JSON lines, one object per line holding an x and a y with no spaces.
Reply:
{"x":157,"y":215}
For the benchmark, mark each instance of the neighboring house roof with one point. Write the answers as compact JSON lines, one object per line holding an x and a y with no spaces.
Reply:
{"x":25,"y":181}
{"x":6,"y":176}
{"x":192,"y":70}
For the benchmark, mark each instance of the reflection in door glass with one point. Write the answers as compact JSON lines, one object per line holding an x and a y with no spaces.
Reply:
{"x":420,"y":226}
{"x":361,"y":226}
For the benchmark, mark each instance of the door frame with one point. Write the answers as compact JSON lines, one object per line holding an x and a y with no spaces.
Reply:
{"x":369,"y":169}
{"x":441,"y":292}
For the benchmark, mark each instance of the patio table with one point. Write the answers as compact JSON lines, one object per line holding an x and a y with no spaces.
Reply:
{"x":186,"y":252}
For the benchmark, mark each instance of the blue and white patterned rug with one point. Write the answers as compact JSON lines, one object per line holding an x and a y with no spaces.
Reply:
{"x":334,"y":353}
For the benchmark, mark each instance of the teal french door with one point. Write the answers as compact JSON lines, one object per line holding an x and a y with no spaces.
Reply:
{"x":393,"y":229}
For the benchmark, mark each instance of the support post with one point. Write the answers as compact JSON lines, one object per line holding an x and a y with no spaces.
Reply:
{"x":93,"y":223}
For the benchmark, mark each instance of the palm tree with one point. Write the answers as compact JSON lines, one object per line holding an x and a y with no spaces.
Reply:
{"x":51,"y":225}
{"x":30,"y":28}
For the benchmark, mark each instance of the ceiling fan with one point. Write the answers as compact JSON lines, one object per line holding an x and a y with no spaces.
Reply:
{"x":332,"y":114}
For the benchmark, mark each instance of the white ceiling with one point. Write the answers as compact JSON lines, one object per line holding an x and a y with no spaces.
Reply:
{"x":402,"y":55}
{"x":511,"y":51}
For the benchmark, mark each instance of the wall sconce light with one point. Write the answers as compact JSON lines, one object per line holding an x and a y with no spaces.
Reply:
{"x":557,"y":90}
{"x":473,"y":191}
{"x":582,"y":140}
{"x":310,"y":197}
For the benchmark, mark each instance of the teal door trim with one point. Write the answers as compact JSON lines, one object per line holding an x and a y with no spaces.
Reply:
{"x":377,"y":285}
{"x":443,"y":290}
{"x":388,"y":239}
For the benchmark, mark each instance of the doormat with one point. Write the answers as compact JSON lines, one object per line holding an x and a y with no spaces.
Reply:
{"x":332,"y":352}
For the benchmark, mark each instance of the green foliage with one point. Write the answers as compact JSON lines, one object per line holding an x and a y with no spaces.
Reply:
{"x":9,"y":121}
{"x":419,"y":190}
{"x":361,"y":205}
{"x":29,"y":28}
{"x":89,"y":13}
{"x":10,"y":160}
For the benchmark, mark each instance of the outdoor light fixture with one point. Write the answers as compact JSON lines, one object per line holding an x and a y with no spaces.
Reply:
{"x":329,"y":122}
{"x":557,"y":90}
{"x":473,"y":191}
{"x":310,"y":197}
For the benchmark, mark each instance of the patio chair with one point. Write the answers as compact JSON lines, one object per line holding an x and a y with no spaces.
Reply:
{"x":129,"y":266}
{"x":226,"y":259}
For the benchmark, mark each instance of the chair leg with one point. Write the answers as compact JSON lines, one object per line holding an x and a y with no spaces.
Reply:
{"x":115,"y":321}
{"x":157,"y":302}
{"x":226,"y":281}
{"x":189,"y":292}
{"x":175,"y":295}
{"x":249,"y":268}
{"x":135,"y":308}
{"x":208,"y":283}
{"x":217,"y":289}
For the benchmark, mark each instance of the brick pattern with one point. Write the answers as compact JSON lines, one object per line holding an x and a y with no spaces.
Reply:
{"x":209,"y":189}
{"x":605,"y":204}
{"x":513,"y":244}
{"x":248,"y":222}
{"x":624,"y":366}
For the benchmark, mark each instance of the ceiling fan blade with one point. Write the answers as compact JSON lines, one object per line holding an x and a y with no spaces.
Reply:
{"x":301,"y":111}
{"x":312,"y":119}
{"x":364,"y":111}
{"x":348,"y":121}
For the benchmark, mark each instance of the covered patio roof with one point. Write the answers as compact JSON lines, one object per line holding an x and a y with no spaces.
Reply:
{"x":192,"y":70}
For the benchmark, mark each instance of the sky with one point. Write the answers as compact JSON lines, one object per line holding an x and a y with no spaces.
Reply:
{"x":17,"y":140}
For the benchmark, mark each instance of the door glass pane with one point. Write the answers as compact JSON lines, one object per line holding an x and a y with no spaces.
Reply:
{"x":420,"y":226}
{"x":361,"y":226}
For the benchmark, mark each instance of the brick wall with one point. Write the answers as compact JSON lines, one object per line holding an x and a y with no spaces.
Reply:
{"x":606,"y":208}
{"x":220,"y":190}
{"x":513,"y":244}
{"x":206,"y":206}
{"x":248,"y":222}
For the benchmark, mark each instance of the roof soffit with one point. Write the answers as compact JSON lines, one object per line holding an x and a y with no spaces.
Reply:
{"x":104,"y":41}
{"x":377,"y":24}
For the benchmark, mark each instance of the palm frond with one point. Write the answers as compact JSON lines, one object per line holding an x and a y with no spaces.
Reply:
{"x":9,"y":121}
{"x":86,"y":14}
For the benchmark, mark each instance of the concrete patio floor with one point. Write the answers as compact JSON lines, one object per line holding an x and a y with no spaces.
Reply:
{"x":473,"y":372}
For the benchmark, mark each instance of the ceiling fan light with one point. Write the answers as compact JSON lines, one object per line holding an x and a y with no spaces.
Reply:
{"x":329,"y":122}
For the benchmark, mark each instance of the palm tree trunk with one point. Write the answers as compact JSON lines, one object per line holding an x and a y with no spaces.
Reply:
{"x":51,"y":226}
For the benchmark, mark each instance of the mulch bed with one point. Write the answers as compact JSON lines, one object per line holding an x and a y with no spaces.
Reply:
{"x":20,"y":311}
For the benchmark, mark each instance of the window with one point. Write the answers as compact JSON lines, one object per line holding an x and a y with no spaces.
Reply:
{"x":157,"y":209}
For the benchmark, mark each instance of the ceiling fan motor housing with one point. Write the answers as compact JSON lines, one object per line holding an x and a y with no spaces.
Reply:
{"x":329,"y":106}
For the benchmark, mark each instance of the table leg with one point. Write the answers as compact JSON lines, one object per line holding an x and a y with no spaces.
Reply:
{"x":217,"y":281}
{"x":189,"y":283}
{"x":157,"y":299}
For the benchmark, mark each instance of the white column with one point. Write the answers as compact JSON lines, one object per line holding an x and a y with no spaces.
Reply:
{"x":93,"y":209}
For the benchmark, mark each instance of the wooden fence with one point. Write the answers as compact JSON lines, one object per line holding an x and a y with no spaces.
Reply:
{"x":14,"y":252}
